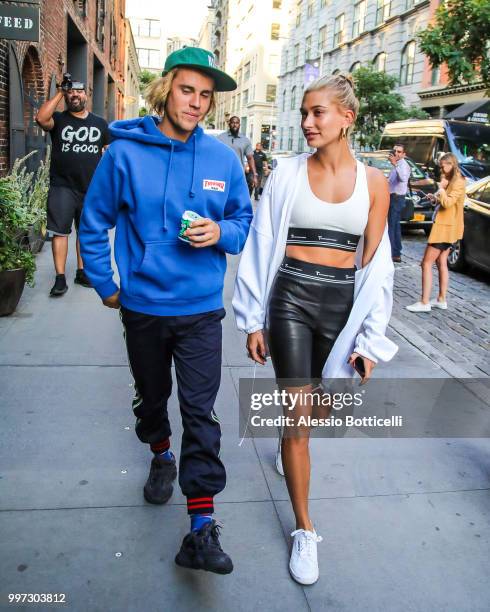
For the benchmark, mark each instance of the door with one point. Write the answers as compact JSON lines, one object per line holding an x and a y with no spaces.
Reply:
{"x":16,"y":112}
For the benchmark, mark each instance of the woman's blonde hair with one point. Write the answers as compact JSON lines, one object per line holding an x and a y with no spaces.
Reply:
{"x":156,"y":93}
{"x":456,"y":172}
{"x":341,"y":87}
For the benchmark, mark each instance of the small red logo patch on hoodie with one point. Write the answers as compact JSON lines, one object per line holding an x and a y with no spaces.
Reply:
{"x":211,"y":185}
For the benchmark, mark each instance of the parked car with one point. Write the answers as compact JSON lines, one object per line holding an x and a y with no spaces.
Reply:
{"x":418,"y":210}
{"x":425,"y":140}
{"x":474,"y":248}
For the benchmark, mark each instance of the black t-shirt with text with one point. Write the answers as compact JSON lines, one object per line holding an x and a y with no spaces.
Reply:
{"x":76,"y":149}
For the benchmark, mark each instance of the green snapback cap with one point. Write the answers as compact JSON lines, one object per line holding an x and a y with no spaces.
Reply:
{"x":203,"y":60}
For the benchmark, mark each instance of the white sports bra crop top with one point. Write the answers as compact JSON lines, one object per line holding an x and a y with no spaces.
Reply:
{"x":315,"y":222}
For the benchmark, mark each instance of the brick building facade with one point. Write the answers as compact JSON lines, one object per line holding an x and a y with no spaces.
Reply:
{"x":83,"y":37}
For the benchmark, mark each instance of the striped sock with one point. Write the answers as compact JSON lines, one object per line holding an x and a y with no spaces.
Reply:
{"x":160,"y":447}
{"x":200,"y":505}
{"x":198,"y":520}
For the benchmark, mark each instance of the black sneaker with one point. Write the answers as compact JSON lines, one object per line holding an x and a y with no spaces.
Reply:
{"x":201,"y":550}
{"x":82,"y":279}
{"x":158,"y":488}
{"x":60,"y":287}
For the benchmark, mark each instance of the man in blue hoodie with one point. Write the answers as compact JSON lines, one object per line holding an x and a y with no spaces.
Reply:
{"x":170,"y":294}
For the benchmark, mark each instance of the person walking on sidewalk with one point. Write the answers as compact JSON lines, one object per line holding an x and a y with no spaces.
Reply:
{"x":241,"y":145}
{"x":398,"y":182}
{"x":78,"y":138}
{"x":259,"y":158}
{"x":447,"y":228}
{"x":157,"y":169}
{"x":297,"y":284}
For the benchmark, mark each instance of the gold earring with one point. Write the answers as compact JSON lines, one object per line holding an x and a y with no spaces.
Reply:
{"x":344,"y":133}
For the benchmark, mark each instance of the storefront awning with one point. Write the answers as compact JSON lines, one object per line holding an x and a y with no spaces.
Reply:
{"x":476,"y":110}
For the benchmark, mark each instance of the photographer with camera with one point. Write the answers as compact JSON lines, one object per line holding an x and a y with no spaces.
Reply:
{"x":78,"y":138}
{"x":398,"y":183}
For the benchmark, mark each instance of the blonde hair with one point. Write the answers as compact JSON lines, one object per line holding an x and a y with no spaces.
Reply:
{"x":156,"y":93}
{"x":456,"y":172}
{"x":341,"y":87}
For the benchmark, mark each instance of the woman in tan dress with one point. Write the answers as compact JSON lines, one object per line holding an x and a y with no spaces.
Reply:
{"x":447,"y":229}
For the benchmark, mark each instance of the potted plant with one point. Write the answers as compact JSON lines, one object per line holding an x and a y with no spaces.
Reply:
{"x":17,"y":264}
{"x":33,"y":189}
{"x":37,"y":204}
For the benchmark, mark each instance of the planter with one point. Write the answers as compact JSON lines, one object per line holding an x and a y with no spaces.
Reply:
{"x":35,"y":237}
{"x":11,"y":287}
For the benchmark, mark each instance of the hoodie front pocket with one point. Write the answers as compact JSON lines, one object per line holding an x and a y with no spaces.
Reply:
{"x":173,"y":270}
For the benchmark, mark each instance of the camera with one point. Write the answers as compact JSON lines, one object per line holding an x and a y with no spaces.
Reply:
{"x":67,"y":82}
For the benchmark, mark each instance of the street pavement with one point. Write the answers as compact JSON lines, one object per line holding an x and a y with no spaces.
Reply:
{"x":405,"y":522}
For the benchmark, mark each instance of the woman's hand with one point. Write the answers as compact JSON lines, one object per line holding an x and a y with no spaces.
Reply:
{"x":368,"y":366}
{"x":443,"y":184}
{"x":256,"y":347}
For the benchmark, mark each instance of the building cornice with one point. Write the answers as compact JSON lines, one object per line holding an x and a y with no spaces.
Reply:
{"x":439,"y":92}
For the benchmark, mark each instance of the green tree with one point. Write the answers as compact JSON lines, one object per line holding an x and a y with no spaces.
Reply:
{"x":379,"y":104}
{"x":145,"y":78}
{"x":460,"y":37}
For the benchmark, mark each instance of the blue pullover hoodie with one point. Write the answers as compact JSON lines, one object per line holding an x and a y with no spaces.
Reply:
{"x":142,"y":186}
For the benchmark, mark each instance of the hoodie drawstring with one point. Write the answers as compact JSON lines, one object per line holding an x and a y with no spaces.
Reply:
{"x":166,"y":185}
{"x":192,"y":193}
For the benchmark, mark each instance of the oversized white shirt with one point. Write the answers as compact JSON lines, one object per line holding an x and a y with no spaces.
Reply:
{"x":264,"y":250}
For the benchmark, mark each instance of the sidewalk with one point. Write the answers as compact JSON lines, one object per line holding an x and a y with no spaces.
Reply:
{"x":405,"y":523}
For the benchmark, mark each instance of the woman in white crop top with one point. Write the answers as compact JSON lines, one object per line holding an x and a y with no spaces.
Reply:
{"x":296,"y":280}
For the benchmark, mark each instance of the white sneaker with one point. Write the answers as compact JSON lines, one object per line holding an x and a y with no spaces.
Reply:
{"x":279,"y":466}
{"x":419,"y":307}
{"x":303,"y":564}
{"x":438,"y":304}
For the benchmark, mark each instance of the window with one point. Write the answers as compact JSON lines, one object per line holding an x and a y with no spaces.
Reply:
{"x":338,"y":36}
{"x":276,"y":4}
{"x":148,"y":27}
{"x":308,"y":49}
{"x":275,"y":31}
{"x":246,"y":71}
{"x":149,"y":58}
{"x":359,"y":18}
{"x":407,"y":63}
{"x":283,"y":100}
{"x":238,"y":103}
{"x":309,"y":10}
{"x":292,"y":106}
{"x":100,"y":14}
{"x":435,"y":75}
{"x":355,"y":66}
{"x":323,"y":3}
{"x":383,"y":11}
{"x":285,"y":61}
{"x":298,"y":13}
{"x":274,"y":64}
{"x":379,"y":62}
{"x":296,"y":55}
{"x":410,"y":4}
{"x":270,"y":95}
{"x":322,"y":38}
{"x":281,"y":138}
{"x":245,"y":97}
{"x":290,"y":139}
{"x":301,"y":142}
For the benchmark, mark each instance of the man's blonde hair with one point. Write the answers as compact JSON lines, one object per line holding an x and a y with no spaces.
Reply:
{"x":156,"y":93}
